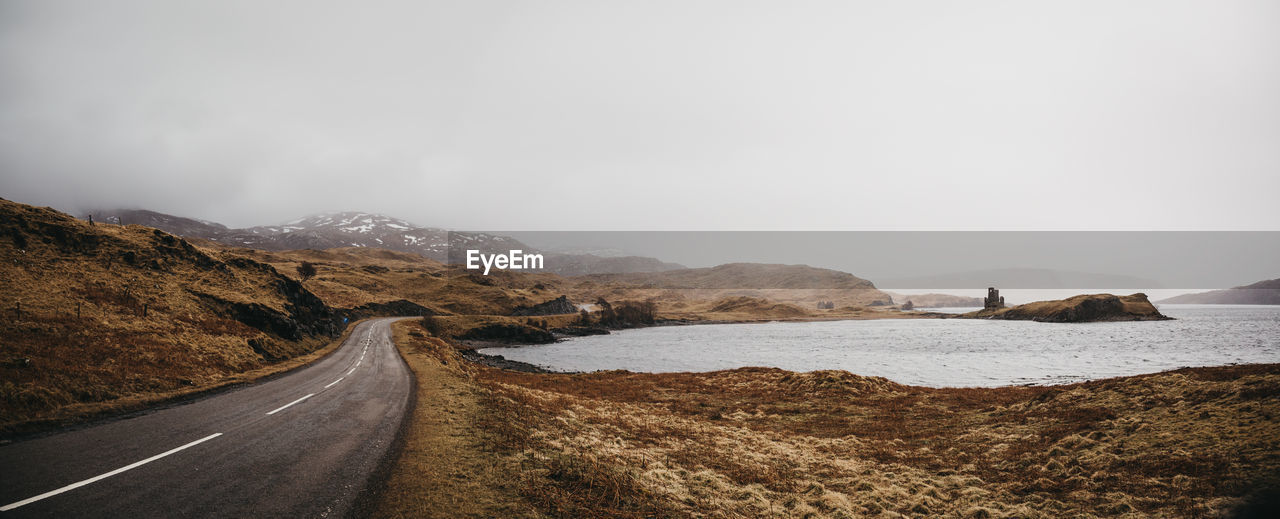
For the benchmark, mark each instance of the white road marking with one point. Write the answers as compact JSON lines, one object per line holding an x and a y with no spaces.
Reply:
{"x":350,"y":371}
{"x":334,"y":382}
{"x":74,"y":486}
{"x":283,"y":407}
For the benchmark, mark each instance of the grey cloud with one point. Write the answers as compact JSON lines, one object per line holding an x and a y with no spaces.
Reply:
{"x":651,"y":115}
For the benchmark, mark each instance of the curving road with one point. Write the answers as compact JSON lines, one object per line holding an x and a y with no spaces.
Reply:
{"x":301,"y":445}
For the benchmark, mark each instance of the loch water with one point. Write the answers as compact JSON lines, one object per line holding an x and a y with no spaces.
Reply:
{"x":935,"y":352}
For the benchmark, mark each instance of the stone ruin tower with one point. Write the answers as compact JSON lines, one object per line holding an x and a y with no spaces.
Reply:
{"x":993,"y":300}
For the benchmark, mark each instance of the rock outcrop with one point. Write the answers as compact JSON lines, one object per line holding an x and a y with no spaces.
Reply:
{"x":510,"y":333}
{"x":397,"y":308}
{"x":558,"y":306}
{"x":1079,"y":309}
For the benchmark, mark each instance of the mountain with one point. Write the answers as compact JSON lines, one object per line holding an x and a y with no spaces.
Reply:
{"x":1019,"y":278}
{"x":1260,"y":293}
{"x":583,"y":264}
{"x":358,"y":229}
{"x":936,"y":300}
{"x":743,"y":276}
{"x":181,"y":226}
{"x":96,"y":312}
{"x":798,"y":284}
{"x":321,"y":231}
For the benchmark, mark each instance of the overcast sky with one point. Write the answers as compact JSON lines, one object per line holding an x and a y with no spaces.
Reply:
{"x":559,"y":115}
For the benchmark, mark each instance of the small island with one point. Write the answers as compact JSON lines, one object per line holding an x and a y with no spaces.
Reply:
{"x":1077,"y":309}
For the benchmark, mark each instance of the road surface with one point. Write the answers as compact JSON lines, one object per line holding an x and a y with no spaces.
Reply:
{"x":302,"y":445}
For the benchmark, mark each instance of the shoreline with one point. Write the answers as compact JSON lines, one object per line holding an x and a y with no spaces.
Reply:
{"x":497,"y":359}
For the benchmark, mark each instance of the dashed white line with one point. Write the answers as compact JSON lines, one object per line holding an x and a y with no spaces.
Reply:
{"x":132,"y":466}
{"x":74,"y":486}
{"x":283,"y":407}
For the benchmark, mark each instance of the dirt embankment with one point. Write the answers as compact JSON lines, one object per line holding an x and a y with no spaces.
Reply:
{"x":1079,"y":309}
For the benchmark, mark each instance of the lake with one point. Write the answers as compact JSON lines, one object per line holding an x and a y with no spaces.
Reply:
{"x":935,"y":352}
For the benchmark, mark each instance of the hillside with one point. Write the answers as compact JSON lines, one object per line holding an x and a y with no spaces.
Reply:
{"x":99,"y":314}
{"x":99,"y":317}
{"x":584,"y":264}
{"x":356,"y":229}
{"x":1260,"y":293}
{"x":801,"y":285}
{"x":354,"y":276}
{"x":94,"y":313}
{"x":1079,"y":309}
{"x":1019,"y":278}
{"x":181,"y":226}
{"x":936,"y":300}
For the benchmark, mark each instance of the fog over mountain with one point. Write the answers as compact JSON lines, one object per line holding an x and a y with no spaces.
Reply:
{"x":357,"y":229}
{"x":1261,"y":293}
{"x":718,"y":115}
{"x":900,"y":260}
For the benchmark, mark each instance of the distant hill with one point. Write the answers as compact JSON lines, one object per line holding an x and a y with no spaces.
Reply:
{"x":936,"y":300}
{"x":99,"y":314}
{"x":356,"y":229}
{"x":584,"y":264}
{"x":321,"y":231}
{"x":1019,"y":278}
{"x":187,"y":227}
{"x":1260,"y":293}
{"x":797,"y":284}
{"x":743,"y":276}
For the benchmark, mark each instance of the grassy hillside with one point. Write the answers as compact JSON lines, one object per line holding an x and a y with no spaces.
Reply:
{"x":743,"y":276}
{"x":800,"y":285}
{"x":93,"y":313}
{"x":353,"y":276}
{"x":349,"y":277}
{"x":936,"y":300}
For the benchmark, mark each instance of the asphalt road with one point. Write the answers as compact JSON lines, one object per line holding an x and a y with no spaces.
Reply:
{"x":301,"y":445}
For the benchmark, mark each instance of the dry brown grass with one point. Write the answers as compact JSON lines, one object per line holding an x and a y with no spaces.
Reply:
{"x":350,"y":277}
{"x":766,"y":442}
{"x":76,"y":412}
{"x":99,"y":314}
{"x":450,"y":466}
